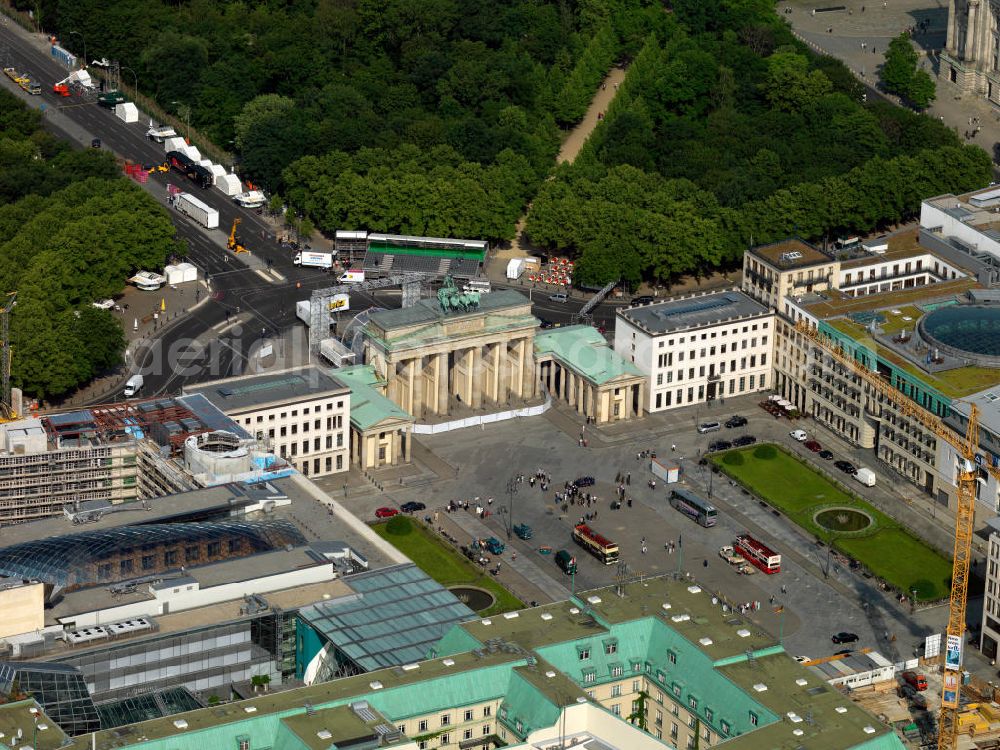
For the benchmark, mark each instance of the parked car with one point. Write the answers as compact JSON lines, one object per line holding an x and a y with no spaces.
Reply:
{"x":908,"y":692}
{"x":95,"y":143}
{"x":643,"y":299}
{"x":523,"y":531}
{"x":566,"y":562}
{"x":799,"y":435}
{"x":412,"y":507}
{"x":386,"y":512}
{"x":545,"y":323}
{"x":914,"y":679}
{"x":709,"y":427}
{"x":813,"y":445}
{"x":844,"y":637}
{"x":846,"y":466}
{"x":803,"y":659}
{"x":826,"y":455}
{"x":494,"y":546}
{"x":744,"y":440}
{"x":719,"y":445}
{"x":736,"y":421}
{"x":559,"y":297}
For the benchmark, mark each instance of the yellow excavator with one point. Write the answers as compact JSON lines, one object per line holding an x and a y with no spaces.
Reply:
{"x":235,"y":243}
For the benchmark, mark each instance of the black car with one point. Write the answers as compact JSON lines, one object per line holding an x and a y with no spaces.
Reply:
{"x":95,"y":143}
{"x":412,"y":507}
{"x":736,"y":421}
{"x":545,"y":324}
{"x":826,"y":455}
{"x":744,"y":440}
{"x":846,"y":466}
{"x":844,"y":637}
{"x":719,"y":445}
{"x":643,"y":299}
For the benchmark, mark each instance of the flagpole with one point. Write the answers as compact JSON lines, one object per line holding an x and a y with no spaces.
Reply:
{"x":680,"y":555}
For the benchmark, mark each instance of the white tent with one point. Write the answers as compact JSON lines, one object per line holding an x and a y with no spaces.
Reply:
{"x":217,"y":171}
{"x":174,"y":144}
{"x":192,"y":152}
{"x":180,"y":273}
{"x":229,"y":184}
{"x":127,"y":112}
{"x":206,"y":163}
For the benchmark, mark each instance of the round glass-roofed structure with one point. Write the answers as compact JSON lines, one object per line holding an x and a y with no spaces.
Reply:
{"x":970,"y":332}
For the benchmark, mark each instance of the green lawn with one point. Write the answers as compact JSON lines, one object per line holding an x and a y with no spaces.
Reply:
{"x":446,"y":566}
{"x":885,"y":548}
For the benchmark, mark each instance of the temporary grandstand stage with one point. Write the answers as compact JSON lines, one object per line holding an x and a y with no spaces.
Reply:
{"x":388,"y":254}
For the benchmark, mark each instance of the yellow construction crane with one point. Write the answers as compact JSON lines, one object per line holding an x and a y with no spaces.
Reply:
{"x":967,"y":481}
{"x":234,"y":242}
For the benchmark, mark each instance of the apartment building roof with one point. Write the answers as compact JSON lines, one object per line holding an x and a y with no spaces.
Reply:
{"x":274,"y":388}
{"x":832,"y":302}
{"x":987,"y":404}
{"x":791,"y":254}
{"x":696,"y":311}
{"x":899,"y":246}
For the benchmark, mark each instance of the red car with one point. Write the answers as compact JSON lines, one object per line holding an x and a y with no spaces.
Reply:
{"x":813,"y":445}
{"x":386,"y":512}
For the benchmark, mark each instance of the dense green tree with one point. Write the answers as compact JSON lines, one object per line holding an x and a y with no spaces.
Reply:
{"x":900,"y":74}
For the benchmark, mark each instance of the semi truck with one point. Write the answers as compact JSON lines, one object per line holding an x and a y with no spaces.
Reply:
{"x":201,"y":212}
{"x":198,"y":174}
{"x":308,"y":259}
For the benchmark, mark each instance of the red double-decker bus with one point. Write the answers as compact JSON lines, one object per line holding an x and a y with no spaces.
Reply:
{"x":758,"y":554}
{"x":600,"y":547}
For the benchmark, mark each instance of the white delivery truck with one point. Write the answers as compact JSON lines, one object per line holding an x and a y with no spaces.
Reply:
{"x":355,"y":276}
{"x":866,"y":477}
{"x":251,"y":199}
{"x":309,"y":259}
{"x":133,"y":385}
{"x":198,"y":210}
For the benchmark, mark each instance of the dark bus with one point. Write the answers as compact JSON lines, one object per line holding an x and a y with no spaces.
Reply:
{"x":693,"y":507}
{"x":198,"y":174}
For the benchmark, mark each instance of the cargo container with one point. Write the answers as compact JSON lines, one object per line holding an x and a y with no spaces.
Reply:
{"x":201,"y":212}
{"x":64,"y":56}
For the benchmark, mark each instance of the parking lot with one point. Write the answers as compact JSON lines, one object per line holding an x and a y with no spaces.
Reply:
{"x":813,"y":587}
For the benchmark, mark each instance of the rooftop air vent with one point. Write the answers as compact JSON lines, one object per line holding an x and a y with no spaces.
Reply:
{"x":801,"y":682}
{"x":666,"y":606}
{"x":694,"y":589}
{"x":550,"y":674}
{"x":869,"y":729}
{"x":510,"y":615}
{"x":487,"y":621}
{"x":180,"y":724}
{"x":375,"y":685}
{"x":794,"y":717}
{"x":681,"y":618}
{"x":594,"y":599}
{"x":324,"y":734}
{"x":410,"y":667}
{"x":706,"y":641}
{"x":760,"y":687}
{"x":574,"y":611}
{"x":249,"y":709}
{"x":743,"y":633}
{"x":841,"y":709}
{"x":448,"y":662}
{"x":546,"y":616}
{"x":798,"y":732}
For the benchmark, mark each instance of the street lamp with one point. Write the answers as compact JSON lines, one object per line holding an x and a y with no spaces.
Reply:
{"x":84,"y":47}
{"x":135,"y":78}
{"x":511,"y":491}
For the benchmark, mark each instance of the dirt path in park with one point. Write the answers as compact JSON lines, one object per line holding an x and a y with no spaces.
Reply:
{"x":579,"y":135}
{"x":519,"y":247}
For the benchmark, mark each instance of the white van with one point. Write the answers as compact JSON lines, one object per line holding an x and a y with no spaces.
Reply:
{"x":482,"y":286}
{"x":799,"y":435}
{"x":133,"y":385}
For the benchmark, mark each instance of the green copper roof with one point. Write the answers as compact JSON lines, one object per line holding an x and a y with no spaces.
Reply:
{"x":368,"y":406}
{"x":584,"y":350}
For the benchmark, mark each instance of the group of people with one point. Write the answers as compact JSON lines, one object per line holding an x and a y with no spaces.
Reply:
{"x":541,"y":478}
{"x":481,"y":511}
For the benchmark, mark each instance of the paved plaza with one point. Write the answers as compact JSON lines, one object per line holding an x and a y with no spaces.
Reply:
{"x":818,"y":595}
{"x":860,"y":38}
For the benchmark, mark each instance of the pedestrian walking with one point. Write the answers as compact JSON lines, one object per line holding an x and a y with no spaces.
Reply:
{"x":784,"y":589}
{"x":644,"y":548}
{"x":628,"y":479}
{"x":673,"y":448}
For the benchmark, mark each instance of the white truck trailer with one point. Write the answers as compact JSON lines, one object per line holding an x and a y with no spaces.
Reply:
{"x":198,"y":210}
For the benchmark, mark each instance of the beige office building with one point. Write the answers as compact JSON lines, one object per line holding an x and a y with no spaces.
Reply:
{"x":302,"y":414}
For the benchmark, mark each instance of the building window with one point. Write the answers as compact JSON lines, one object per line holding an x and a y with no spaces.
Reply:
{"x":487,"y":711}
{"x":422,"y":745}
{"x":422,"y":726}
{"x":671,"y":657}
{"x":170,"y":558}
{"x":445,"y":739}
{"x":753,"y":718}
{"x":590,"y":676}
{"x":214,"y":549}
{"x":467,"y":734}
{"x":692,"y":702}
{"x":616,"y":709}
{"x":724,"y":726}
{"x":148,"y":562}
{"x":191,"y":553}
{"x":616,"y":690}
{"x":126,"y":566}
{"x":235,"y":545}
{"x":708,"y":713}
{"x":468,"y":715}
{"x":445,"y":719}
{"x":610,"y":647}
{"x":583,"y":652}
{"x":486,"y":729}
